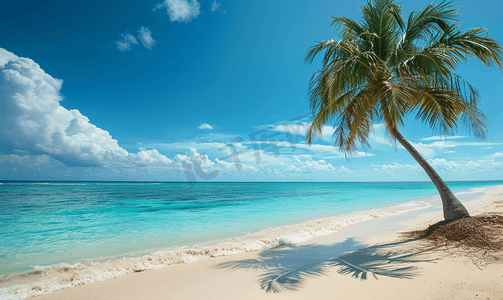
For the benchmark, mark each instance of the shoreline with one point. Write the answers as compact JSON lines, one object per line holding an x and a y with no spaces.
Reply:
{"x":353,"y":234}
{"x":52,"y":278}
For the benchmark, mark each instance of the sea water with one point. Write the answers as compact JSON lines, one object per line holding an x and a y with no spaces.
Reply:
{"x":99,"y":230}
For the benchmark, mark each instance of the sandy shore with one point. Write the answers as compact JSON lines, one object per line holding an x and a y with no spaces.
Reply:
{"x":362,"y":261}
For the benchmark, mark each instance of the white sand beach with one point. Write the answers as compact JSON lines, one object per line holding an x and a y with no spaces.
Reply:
{"x":367,"y":260}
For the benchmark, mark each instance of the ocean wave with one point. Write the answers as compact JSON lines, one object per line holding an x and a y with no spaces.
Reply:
{"x":474,"y":190}
{"x":46,"y":279}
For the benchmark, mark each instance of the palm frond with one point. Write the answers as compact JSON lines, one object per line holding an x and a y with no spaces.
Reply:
{"x":431,"y":20}
{"x":326,"y":113}
{"x":354,"y":124}
{"x":330,"y":46}
{"x":347,"y":27}
{"x":474,"y":42}
{"x":379,"y":17}
{"x":384,"y":68}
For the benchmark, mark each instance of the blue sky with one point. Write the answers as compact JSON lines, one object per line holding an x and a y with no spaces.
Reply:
{"x":164,"y":90}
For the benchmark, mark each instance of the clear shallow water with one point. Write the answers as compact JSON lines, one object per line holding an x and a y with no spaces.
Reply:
{"x":49,"y":223}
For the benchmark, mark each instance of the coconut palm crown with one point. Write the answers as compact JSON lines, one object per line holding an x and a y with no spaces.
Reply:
{"x":386,"y":67}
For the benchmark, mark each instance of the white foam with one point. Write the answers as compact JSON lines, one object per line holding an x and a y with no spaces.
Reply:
{"x":474,"y":191}
{"x":56,"y":277}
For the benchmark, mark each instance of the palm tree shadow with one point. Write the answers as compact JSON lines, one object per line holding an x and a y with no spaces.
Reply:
{"x":285,"y":268}
{"x":379,"y":260}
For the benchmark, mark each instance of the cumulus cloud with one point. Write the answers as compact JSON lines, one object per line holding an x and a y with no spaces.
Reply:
{"x":481,"y":167}
{"x":148,"y":157}
{"x":226,"y":168}
{"x":125,"y":43}
{"x":145,"y":37}
{"x":205,"y":126}
{"x":194,"y":164}
{"x":441,"y":163}
{"x":397,"y":166}
{"x":311,"y":165}
{"x":180,"y":10}
{"x":498,"y":155}
{"x":34,"y":121}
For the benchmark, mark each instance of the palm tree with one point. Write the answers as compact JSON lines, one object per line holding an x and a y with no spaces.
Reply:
{"x":385,"y":67}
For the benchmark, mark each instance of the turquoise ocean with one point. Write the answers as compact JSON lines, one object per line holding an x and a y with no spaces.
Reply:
{"x":55,"y":235}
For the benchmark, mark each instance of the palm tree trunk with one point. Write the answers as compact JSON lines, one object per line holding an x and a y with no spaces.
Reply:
{"x":453,"y":209}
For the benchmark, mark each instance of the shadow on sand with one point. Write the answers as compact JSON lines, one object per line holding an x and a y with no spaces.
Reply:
{"x":286,"y":267}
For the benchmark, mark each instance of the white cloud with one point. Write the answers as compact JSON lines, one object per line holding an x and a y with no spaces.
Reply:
{"x":148,"y":157}
{"x":345,"y":171}
{"x":295,"y":131}
{"x":396,"y":166}
{"x":36,"y":122}
{"x":497,"y":155}
{"x":449,"y":144}
{"x":302,"y":156}
{"x":205,"y":126}
{"x":438,"y":137}
{"x":194,"y":163}
{"x":427,"y":149}
{"x":475,"y":169}
{"x":125,"y":43}
{"x":300,"y":128}
{"x":380,"y":136}
{"x":440,"y":163}
{"x":145,"y":37}
{"x":473,"y":165}
{"x":424,"y":150}
{"x":181,"y":10}
{"x":312,"y":165}
{"x":298,"y":165}
{"x":215,"y":6}
{"x":24,"y":160}
{"x":223,"y":165}
{"x":13,"y":158}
